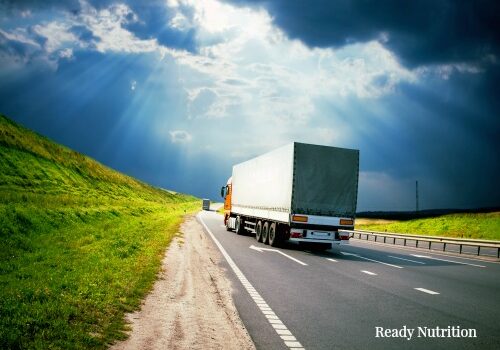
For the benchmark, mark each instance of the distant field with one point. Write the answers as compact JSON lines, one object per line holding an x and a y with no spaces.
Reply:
{"x":81,"y":243}
{"x":463,"y":225}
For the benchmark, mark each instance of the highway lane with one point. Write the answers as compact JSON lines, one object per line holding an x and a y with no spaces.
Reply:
{"x":337,"y":299}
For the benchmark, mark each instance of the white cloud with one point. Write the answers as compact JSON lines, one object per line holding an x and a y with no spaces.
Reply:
{"x":66,"y":53}
{"x":57,"y":35}
{"x":444,"y":71}
{"x":20,"y":35}
{"x":107,"y":25}
{"x":180,"y":136}
{"x":180,"y":22}
{"x":26,"y":14}
{"x":133,"y":85}
{"x":279,"y":78}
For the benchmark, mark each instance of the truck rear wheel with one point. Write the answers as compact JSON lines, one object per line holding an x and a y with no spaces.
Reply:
{"x":265,"y":233}
{"x":274,"y":237}
{"x":258,"y":231}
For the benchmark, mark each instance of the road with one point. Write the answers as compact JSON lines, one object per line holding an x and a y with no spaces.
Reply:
{"x":336,"y":299}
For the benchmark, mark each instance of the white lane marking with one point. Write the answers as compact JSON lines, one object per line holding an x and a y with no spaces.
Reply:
{"x":427,"y":291}
{"x":280,"y":329}
{"x":331,"y":259}
{"x":433,"y":251}
{"x":369,"y":273}
{"x":277,"y":251}
{"x":413,"y":261}
{"x":380,"y":262}
{"x":456,"y":262}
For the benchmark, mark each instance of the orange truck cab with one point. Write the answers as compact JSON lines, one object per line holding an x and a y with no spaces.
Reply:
{"x":225,"y":193}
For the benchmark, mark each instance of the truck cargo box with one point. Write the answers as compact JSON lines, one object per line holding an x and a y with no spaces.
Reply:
{"x":297,"y":179}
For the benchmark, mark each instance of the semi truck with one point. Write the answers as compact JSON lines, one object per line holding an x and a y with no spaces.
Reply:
{"x":299,"y":192}
{"x":205,"y":204}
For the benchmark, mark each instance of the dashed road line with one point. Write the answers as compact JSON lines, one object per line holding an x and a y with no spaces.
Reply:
{"x":413,"y":261}
{"x":456,"y":262}
{"x":427,"y":291}
{"x":279,"y":327}
{"x":330,"y":259}
{"x":260,"y":249}
{"x":369,"y":273}
{"x":380,"y":262}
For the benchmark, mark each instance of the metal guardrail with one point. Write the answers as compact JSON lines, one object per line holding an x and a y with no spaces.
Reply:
{"x":445,"y":241}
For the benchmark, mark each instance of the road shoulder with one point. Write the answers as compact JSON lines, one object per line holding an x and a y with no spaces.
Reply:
{"x":190,"y":306}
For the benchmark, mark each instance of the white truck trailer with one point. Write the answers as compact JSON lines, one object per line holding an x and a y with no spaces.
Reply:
{"x":299,"y":192}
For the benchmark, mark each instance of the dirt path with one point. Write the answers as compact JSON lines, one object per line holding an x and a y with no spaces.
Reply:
{"x":190,"y":306}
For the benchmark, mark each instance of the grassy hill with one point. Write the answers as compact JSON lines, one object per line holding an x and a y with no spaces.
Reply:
{"x":81,"y":243}
{"x":463,"y":225}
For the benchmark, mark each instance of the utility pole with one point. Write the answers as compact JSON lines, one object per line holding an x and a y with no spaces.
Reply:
{"x":416,"y":196}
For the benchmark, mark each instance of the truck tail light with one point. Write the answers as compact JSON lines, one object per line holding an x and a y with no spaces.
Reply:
{"x":299,"y":218}
{"x":346,"y":221}
{"x":296,"y":234}
{"x":344,"y":237}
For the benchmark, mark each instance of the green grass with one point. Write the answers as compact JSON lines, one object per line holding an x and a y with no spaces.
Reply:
{"x":221,"y":210}
{"x":81,"y":243}
{"x":464,"y":225}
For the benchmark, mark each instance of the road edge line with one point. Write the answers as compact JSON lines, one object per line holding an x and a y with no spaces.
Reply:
{"x":262,"y":305}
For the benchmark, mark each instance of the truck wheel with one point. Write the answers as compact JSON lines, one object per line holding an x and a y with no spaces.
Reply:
{"x":258,"y":231}
{"x":265,"y":233}
{"x":238,"y":226}
{"x":227,"y":224}
{"x":274,"y":237}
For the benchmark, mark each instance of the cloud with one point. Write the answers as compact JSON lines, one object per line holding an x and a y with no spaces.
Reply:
{"x":49,"y":38}
{"x":17,"y":49}
{"x":201,"y":101}
{"x":66,"y":53}
{"x":180,"y":136}
{"x":418,"y":32}
{"x":56,"y":35}
{"x":213,"y":74}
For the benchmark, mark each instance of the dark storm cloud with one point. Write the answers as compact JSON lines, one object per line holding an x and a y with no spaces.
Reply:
{"x":446,"y":135}
{"x":419,"y":32}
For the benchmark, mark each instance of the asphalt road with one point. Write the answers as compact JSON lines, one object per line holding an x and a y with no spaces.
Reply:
{"x":337,"y":299}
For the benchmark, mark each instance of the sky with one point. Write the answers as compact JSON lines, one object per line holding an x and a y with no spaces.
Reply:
{"x":175,"y":92}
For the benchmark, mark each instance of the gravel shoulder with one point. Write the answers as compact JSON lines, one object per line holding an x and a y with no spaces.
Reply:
{"x":190,"y":306}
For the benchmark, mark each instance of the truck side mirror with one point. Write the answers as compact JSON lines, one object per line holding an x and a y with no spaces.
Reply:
{"x":222,"y":191}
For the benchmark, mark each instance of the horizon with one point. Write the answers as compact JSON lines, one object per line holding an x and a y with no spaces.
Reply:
{"x":174,"y":93}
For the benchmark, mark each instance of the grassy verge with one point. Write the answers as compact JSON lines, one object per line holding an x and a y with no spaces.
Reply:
{"x":464,"y":225}
{"x":221,"y":210}
{"x":81,"y":243}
